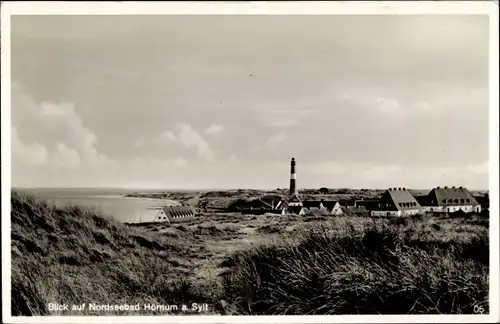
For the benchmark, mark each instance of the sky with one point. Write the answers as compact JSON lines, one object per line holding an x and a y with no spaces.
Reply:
{"x":192,"y":102}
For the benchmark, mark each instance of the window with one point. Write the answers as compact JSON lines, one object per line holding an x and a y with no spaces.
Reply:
{"x":461,"y":201}
{"x":468,"y":200}
{"x":444,"y":201}
{"x":456,"y":201}
{"x":450,"y":201}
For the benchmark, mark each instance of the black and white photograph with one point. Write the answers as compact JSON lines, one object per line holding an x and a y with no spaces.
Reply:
{"x":230,"y":164}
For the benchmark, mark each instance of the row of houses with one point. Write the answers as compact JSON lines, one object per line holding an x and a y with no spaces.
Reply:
{"x":393,"y":202}
{"x":400,"y":202}
{"x":275,"y":204}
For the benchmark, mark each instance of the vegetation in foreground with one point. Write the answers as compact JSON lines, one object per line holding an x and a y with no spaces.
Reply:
{"x":378,"y":270}
{"x":76,"y":256}
{"x":330,"y":265}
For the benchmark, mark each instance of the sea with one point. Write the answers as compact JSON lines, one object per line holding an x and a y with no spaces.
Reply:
{"x":111,"y":202}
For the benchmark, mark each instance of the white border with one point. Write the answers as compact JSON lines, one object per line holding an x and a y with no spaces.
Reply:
{"x":271,"y":8}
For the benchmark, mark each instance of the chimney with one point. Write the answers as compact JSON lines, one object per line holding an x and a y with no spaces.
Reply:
{"x":293,"y":185}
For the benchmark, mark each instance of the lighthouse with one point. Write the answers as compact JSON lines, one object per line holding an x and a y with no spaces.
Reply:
{"x":293,"y":185}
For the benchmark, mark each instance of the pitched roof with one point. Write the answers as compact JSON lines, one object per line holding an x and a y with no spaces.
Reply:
{"x":398,"y":199}
{"x":178,"y":211}
{"x":422,"y":200}
{"x":294,"y":198}
{"x":311,"y":203}
{"x":271,"y":200}
{"x":368,"y":204}
{"x":295,"y":209}
{"x":329,"y":203}
{"x":451,"y":196}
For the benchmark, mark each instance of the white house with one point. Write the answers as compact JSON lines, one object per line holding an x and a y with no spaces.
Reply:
{"x":332,"y":207}
{"x":171,"y":214}
{"x":450,"y":200}
{"x":396,"y":202}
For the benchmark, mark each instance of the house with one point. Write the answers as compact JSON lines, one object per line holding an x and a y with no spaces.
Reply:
{"x":294,"y":201}
{"x":312,"y":205}
{"x":396,"y":202}
{"x":450,"y":200}
{"x":272,"y":201}
{"x":297,"y":210}
{"x":484,"y":201}
{"x":367,"y":203}
{"x":332,"y":207}
{"x":266,"y":204}
{"x":171,"y":214}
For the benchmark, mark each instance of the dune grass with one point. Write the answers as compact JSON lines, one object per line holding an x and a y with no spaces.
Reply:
{"x":76,"y":256}
{"x":334,"y":265}
{"x":380,"y":269}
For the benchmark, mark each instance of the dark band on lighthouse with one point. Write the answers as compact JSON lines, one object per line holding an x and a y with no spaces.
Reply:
{"x":293,"y":187}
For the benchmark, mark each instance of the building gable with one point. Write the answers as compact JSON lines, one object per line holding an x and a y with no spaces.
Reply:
{"x":175,"y":213}
{"x":451,"y":197}
{"x":395,"y":199}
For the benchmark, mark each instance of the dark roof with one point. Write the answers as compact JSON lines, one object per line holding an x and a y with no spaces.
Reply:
{"x":329,"y":204}
{"x":294,"y":198}
{"x":270,"y":199}
{"x":368,"y":203}
{"x":183,"y":211}
{"x":451,"y":196}
{"x":422,"y":200}
{"x":311,"y":203}
{"x":398,"y":199}
{"x":295,"y":209}
{"x":484,"y":201}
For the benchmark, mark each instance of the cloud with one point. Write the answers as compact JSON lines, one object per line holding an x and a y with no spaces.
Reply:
{"x":168,"y":136}
{"x":233,"y":158}
{"x":65,"y":157}
{"x":188,"y":137}
{"x":50,"y":123}
{"x":32,"y":154}
{"x":214,"y":129}
{"x":275,"y":140}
